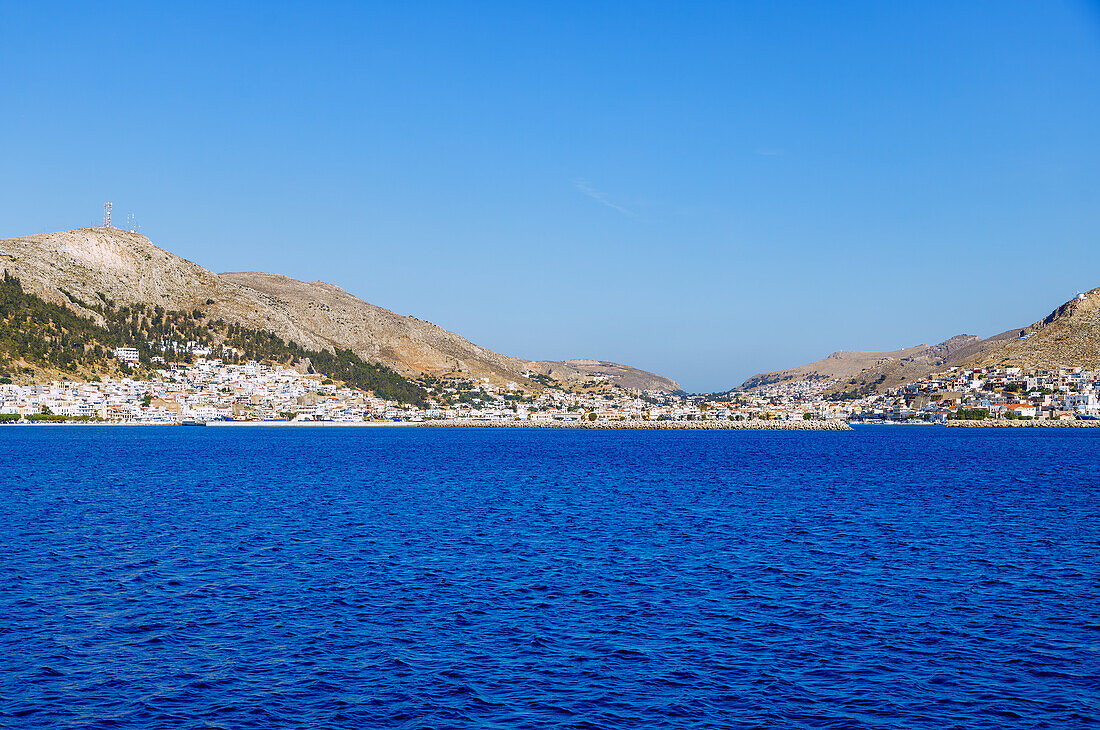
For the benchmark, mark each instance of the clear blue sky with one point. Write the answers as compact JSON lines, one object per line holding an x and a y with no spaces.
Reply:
{"x":706,"y":190}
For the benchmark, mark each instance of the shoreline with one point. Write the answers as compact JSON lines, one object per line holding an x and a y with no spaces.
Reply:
{"x":750,"y":425}
{"x":990,"y":424}
{"x":312,"y":424}
{"x":754,"y":425}
{"x":1024,"y":424}
{"x":757,"y":425}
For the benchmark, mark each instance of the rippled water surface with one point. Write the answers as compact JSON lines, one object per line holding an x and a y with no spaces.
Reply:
{"x":339,"y":578}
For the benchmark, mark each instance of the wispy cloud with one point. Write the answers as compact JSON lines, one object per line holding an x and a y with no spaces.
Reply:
{"x":586,"y":187}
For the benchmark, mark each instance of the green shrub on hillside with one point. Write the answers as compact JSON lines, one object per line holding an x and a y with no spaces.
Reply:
{"x":53,"y":335}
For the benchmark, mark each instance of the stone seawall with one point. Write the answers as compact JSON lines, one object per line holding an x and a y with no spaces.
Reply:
{"x":654,"y":425}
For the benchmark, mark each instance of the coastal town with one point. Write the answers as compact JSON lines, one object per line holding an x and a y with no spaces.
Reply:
{"x":77,"y":345}
{"x":991,"y":393}
{"x":213,"y":390}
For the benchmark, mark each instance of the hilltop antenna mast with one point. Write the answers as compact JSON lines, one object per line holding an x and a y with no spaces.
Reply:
{"x":107,"y":215}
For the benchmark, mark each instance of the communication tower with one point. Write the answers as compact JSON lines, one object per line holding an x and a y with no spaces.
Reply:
{"x":107,"y":215}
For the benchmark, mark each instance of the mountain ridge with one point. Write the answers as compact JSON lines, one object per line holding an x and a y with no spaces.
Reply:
{"x":100,"y":262}
{"x":1068,"y":337}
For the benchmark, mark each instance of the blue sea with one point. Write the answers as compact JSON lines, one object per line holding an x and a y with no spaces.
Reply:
{"x":905,"y":577}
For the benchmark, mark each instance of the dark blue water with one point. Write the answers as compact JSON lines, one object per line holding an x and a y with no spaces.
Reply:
{"x":340,"y":578}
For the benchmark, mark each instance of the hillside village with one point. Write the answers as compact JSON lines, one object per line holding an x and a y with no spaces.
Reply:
{"x":993,"y":392}
{"x":213,"y":389}
{"x":209,"y":388}
{"x":81,"y":340}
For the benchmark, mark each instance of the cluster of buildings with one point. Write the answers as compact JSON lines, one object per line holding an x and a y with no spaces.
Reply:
{"x":994,"y":392}
{"x":213,"y":389}
{"x":204,"y":391}
{"x":1003,"y":392}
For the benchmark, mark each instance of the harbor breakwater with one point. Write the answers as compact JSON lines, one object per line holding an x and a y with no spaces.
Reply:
{"x":1043,"y":423}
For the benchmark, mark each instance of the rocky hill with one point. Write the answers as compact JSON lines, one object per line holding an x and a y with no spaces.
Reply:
{"x":328,"y":314}
{"x":93,"y":264}
{"x":588,"y":371}
{"x":851,"y":370}
{"x":1068,"y":337}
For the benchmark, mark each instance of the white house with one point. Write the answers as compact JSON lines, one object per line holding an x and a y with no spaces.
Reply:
{"x":126,"y":354}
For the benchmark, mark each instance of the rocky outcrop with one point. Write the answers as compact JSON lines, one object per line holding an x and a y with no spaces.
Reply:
{"x":78,"y":267}
{"x":1068,"y":337}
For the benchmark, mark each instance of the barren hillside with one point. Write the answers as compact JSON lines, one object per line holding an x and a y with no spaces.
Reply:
{"x":77,"y":266}
{"x":578,"y":371}
{"x":1068,"y":337}
{"x":855,"y":369}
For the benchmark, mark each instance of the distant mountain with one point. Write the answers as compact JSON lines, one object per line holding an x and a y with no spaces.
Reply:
{"x":1068,"y":337}
{"x":595,"y":371}
{"x":92,"y":264}
{"x":861,"y":371}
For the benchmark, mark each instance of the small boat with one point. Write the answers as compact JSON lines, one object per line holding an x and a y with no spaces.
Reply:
{"x":192,"y":422}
